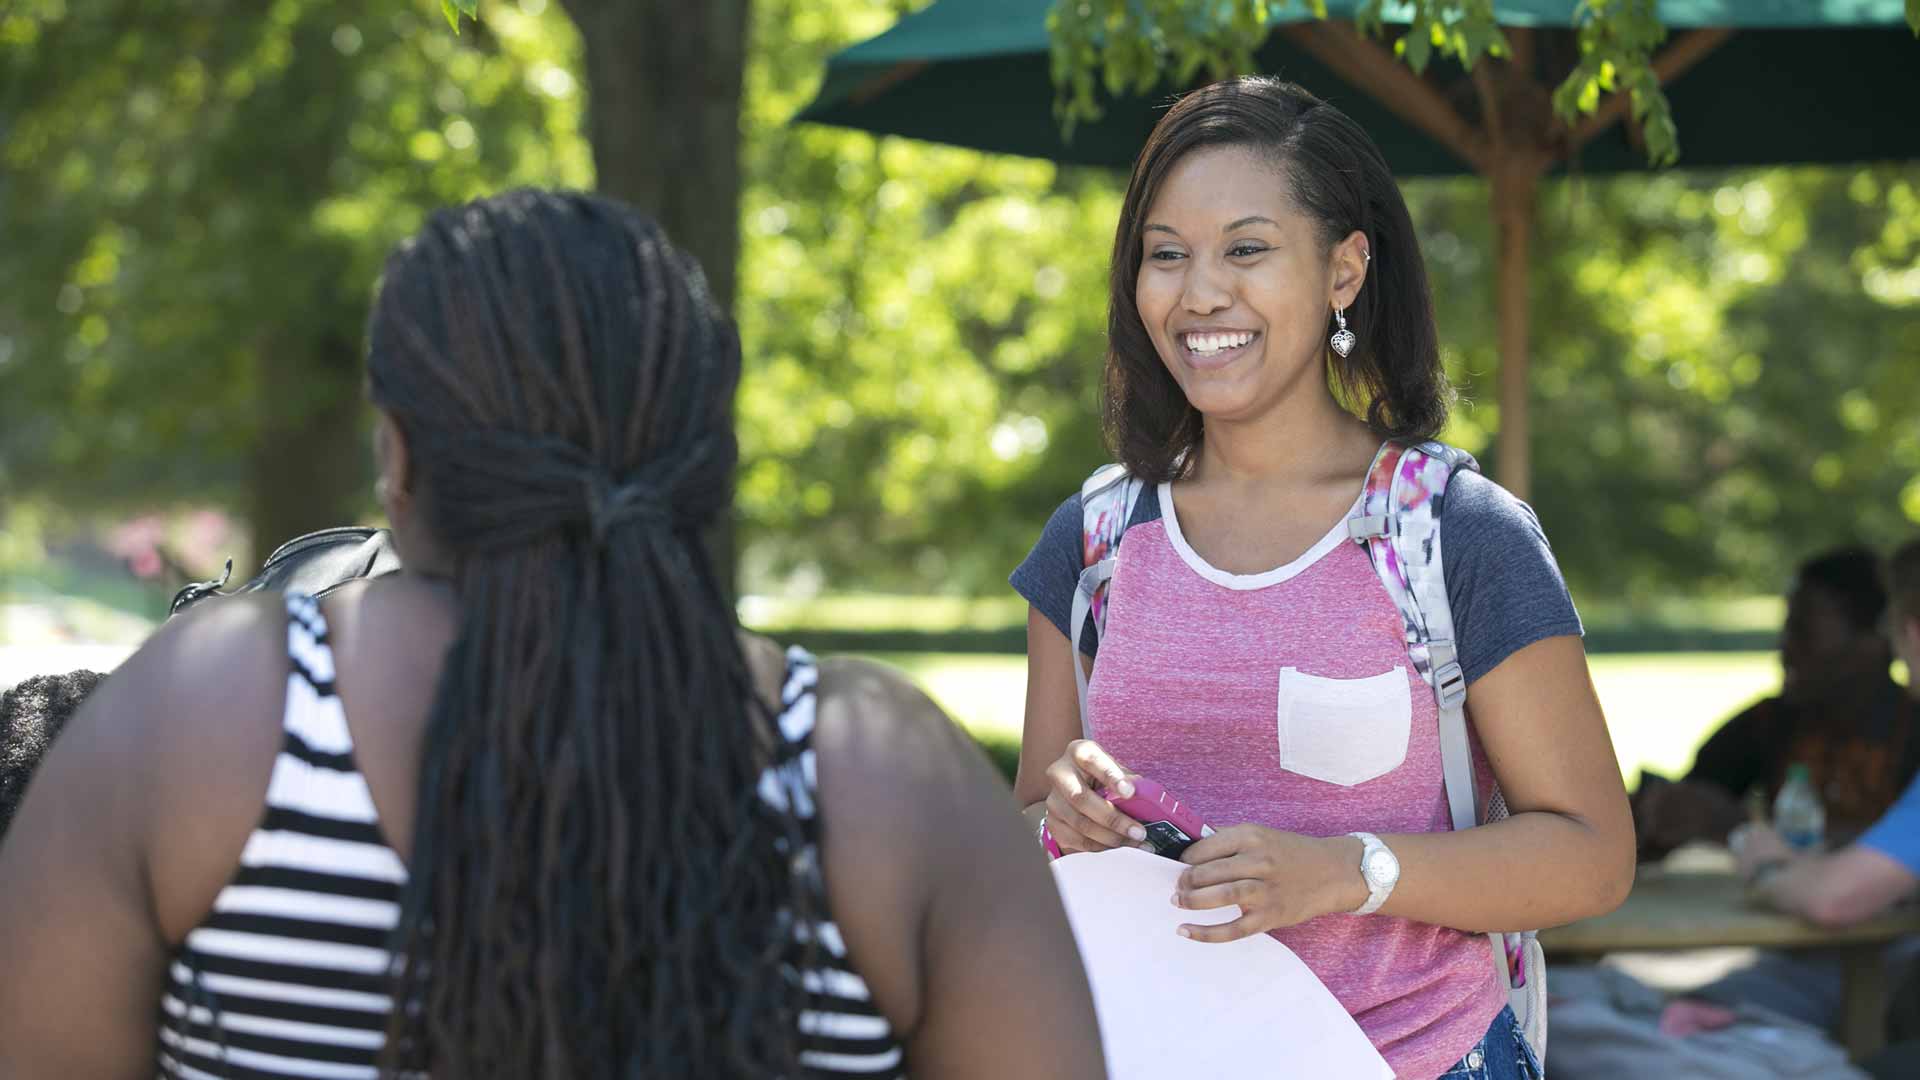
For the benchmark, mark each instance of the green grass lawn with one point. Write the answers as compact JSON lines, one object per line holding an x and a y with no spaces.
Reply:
{"x":1660,"y":706}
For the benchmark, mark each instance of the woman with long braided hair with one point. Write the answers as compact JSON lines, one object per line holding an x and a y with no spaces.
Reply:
{"x":533,"y":807}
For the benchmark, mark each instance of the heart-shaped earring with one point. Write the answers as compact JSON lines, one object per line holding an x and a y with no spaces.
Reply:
{"x":1343,"y":340}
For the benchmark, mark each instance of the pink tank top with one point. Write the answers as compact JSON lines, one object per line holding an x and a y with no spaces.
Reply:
{"x":1286,"y":699}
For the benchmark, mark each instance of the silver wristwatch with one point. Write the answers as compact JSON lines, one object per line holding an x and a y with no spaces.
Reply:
{"x":1380,"y":868}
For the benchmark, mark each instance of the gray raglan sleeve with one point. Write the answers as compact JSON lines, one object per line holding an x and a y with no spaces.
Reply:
{"x":1050,"y":573}
{"x":1502,"y":582}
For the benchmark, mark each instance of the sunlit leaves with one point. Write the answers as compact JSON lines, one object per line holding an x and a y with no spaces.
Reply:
{"x":453,"y":9}
{"x":1718,"y":389}
{"x":1465,"y":30}
{"x":922,"y":327}
{"x":221,"y":194}
{"x":1617,"y":40}
{"x":1136,"y":46}
{"x":1132,"y":46}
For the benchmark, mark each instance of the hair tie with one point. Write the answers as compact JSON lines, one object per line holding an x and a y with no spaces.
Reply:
{"x":609,"y":505}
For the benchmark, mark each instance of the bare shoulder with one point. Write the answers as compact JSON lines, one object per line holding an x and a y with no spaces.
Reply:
{"x":899,"y":791}
{"x":897,"y":772}
{"x":192,"y":721}
{"x":875,"y":723}
{"x":870,"y":692}
{"x":199,"y":673}
{"x":132,"y":823}
{"x":866,"y":713}
{"x":943,"y":897}
{"x":169,"y":721}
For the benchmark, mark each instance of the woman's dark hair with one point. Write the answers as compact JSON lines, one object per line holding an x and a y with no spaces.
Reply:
{"x":1854,"y":577}
{"x":1335,"y":175}
{"x":596,"y":890}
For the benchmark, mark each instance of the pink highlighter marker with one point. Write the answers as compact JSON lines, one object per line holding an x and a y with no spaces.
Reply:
{"x":1172,"y":826}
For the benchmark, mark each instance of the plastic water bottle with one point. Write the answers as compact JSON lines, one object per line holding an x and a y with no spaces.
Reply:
{"x":1797,"y":814}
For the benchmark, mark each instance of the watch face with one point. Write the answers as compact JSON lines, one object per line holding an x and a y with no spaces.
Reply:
{"x":1381,"y":867}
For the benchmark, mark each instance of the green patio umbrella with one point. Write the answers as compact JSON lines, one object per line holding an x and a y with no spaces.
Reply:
{"x":1751,"y":82}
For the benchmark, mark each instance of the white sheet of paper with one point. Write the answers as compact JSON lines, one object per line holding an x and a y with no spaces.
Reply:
{"x":1171,"y":1007}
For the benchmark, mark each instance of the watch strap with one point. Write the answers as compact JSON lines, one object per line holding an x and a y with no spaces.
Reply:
{"x":1376,"y":894}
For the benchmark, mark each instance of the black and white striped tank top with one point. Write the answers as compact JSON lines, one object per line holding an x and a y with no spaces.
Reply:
{"x":288,"y":975}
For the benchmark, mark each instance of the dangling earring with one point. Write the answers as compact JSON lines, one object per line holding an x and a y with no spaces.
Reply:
{"x":390,"y":501}
{"x":1343,"y":340}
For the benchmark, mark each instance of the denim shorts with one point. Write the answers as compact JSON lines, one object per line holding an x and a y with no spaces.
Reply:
{"x":1501,"y":1054}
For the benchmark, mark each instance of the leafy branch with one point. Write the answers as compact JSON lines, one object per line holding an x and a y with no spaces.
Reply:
{"x":453,"y":9}
{"x":1132,"y":46}
{"x":1463,"y":29}
{"x":1129,"y":45}
{"x":1617,"y":39}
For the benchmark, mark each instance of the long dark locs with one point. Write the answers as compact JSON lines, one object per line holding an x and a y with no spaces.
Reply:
{"x":596,"y":889}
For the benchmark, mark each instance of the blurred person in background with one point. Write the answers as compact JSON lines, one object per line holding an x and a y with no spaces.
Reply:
{"x":1839,"y":713}
{"x":1850,"y":884}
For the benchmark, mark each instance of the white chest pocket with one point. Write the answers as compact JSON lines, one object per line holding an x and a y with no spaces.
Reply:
{"x":1344,"y":731}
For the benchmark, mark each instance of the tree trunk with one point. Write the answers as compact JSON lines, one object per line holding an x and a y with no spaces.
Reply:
{"x":663,"y":114}
{"x":310,"y":463}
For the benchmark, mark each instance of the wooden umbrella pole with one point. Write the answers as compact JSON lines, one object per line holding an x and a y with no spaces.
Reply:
{"x":1507,"y":147}
{"x":1511,"y":104}
{"x":1515,"y":187}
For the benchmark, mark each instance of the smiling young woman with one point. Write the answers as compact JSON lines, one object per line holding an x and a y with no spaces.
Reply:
{"x":1250,"y":660}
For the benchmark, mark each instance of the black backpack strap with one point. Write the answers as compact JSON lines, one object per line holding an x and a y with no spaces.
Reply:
{"x":198,"y":591}
{"x":316,"y":564}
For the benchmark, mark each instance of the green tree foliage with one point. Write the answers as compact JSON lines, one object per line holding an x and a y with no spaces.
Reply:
{"x":194,"y":203}
{"x":923,"y":329}
{"x":1617,"y":41}
{"x":1136,"y":46}
{"x":453,"y":9}
{"x":1728,"y":372}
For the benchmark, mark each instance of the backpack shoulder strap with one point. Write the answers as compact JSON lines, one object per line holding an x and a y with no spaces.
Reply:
{"x":1106,"y":501}
{"x":1106,"y":504}
{"x":1399,"y":522}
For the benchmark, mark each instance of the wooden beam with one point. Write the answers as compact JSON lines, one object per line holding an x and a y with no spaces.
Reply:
{"x":1374,"y":70}
{"x":1674,"y":61}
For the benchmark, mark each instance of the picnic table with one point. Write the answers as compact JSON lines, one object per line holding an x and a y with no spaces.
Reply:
{"x":1702,"y":909}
